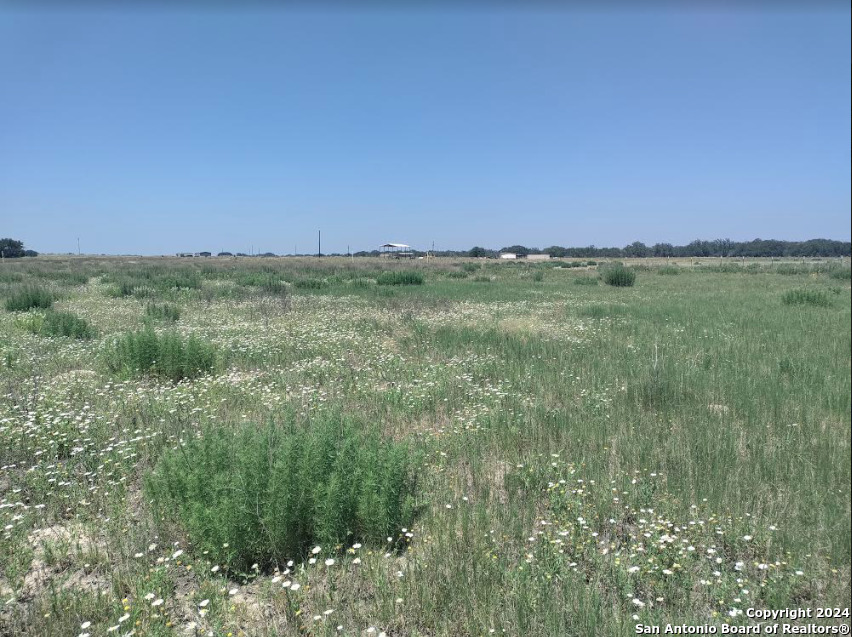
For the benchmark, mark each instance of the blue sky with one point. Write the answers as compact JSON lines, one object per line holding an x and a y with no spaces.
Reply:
{"x":148,"y":130}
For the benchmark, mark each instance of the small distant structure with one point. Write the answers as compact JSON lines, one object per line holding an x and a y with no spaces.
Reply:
{"x":193,"y":254}
{"x":508,"y":255}
{"x":396,"y":251}
{"x":538,"y":257}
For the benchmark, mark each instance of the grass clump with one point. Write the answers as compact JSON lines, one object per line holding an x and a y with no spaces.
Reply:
{"x":619,"y":276}
{"x":268,"y":494}
{"x":165,"y":312}
{"x":669,"y":270}
{"x":816,"y":298}
{"x":309,"y":284}
{"x":401,"y":277}
{"x":166,"y":356}
{"x":29,"y":297}
{"x":61,"y":324}
{"x":840,"y":274}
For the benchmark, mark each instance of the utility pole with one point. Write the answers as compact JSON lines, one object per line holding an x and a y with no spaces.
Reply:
{"x":78,"y":246}
{"x":319,"y":243}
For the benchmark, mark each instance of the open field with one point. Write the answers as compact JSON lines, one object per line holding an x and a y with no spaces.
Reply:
{"x":580,"y":457}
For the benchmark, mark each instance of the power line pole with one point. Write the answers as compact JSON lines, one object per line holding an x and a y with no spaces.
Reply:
{"x":319,"y":243}
{"x":78,"y":246}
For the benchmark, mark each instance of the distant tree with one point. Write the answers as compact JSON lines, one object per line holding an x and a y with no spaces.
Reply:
{"x":13,"y":249}
{"x":477,"y":252}
{"x":556,"y":251}
{"x":663,"y":250}
{"x":521,"y":251}
{"x":635,"y":249}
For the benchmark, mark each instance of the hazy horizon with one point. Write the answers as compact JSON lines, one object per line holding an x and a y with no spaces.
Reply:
{"x":151,"y":130}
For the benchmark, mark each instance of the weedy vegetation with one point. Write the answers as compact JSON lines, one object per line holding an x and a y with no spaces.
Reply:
{"x":65,"y":324}
{"x":803,"y":296}
{"x":617,"y":275}
{"x":164,"y":355}
{"x":321,"y":447}
{"x":400,"y":277}
{"x":28,"y":297}
{"x":267,"y":494}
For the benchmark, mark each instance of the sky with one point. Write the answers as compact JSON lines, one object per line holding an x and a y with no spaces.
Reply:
{"x":145,"y":129}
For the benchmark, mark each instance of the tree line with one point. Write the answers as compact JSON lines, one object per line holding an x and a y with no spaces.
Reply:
{"x":11,"y":248}
{"x":697,"y":248}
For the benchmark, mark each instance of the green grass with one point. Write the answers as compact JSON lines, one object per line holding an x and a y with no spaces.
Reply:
{"x":570,"y":442}
{"x":802,"y":296}
{"x":617,"y":275}
{"x":400,"y":277}
{"x":265,"y":495}
{"x":29,"y":297}
{"x":669,"y":270}
{"x":165,"y":355}
{"x":65,"y":324}
{"x":586,"y":280}
{"x":167,"y":312}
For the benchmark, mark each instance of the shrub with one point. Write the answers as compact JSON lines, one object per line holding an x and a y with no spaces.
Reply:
{"x":482,"y":278}
{"x":470,"y":267}
{"x":60,"y":324}
{"x":164,"y":312}
{"x":29,"y":297}
{"x":267,"y":494}
{"x":165,"y":356}
{"x":457,"y":274}
{"x":816,"y":298}
{"x":619,"y":276}
{"x":401,"y":277}
{"x":538,"y":276}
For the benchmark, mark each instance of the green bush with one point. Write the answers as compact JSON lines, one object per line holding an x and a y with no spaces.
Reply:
{"x":816,"y":298}
{"x":166,"y":356}
{"x":470,"y":268}
{"x":457,"y":274}
{"x":401,"y":277}
{"x":165,"y":312}
{"x":60,"y":324}
{"x":29,"y":297}
{"x":619,"y":276}
{"x":265,"y":495}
